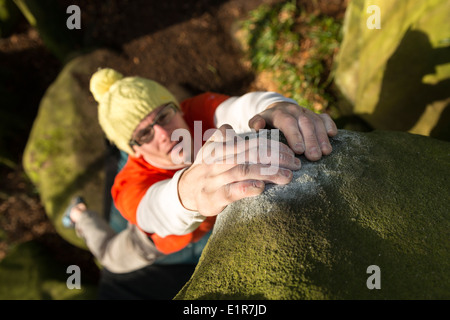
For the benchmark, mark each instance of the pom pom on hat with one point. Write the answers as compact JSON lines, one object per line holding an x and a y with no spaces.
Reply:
{"x":124,"y":102}
{"x":102,"y":80}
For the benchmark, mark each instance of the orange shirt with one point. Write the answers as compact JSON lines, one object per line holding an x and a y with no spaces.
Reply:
{"x":137,"y":176}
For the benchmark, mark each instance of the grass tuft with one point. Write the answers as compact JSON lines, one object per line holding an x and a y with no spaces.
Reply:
{"x":296,"y":49}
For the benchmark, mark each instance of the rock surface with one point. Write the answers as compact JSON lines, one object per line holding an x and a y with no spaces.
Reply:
{"x":65,"y":153}
{"x":381,"y":198}
{"x":397,"y":77}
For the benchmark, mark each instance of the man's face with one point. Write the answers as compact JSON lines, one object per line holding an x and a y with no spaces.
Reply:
{"x":160,"y":150}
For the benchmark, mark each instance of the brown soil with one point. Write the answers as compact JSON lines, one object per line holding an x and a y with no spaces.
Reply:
{"x":172,"y":41}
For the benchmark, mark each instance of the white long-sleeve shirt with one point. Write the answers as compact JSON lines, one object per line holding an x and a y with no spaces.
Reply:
{"x":160,"y":210}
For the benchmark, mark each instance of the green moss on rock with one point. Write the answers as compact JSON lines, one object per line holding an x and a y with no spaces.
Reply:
{"x":65,"y":153}
{"x":397,"y":77}
{"x":381,"y":198}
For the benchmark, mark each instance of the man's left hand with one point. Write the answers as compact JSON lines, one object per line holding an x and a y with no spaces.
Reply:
{"x":306,"y":132}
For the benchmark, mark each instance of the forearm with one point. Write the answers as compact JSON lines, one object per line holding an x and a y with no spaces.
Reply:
{"x":160,"y":210}
{"x":237,"y":111}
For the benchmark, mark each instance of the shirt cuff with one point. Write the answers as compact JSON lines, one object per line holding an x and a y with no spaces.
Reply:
{"x":237,"y":111}
{"x":160,"y":210}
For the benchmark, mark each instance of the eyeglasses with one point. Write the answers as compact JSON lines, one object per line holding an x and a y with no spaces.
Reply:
{"x":164,"y":116}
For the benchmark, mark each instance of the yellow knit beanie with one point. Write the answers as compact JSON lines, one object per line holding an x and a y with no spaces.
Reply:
{"x":124,"y":102}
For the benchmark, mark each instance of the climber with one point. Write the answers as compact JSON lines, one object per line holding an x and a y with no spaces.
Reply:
{"x":171,"y":205}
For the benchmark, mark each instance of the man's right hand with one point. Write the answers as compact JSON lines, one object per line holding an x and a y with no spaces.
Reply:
{"x":217,"y":177}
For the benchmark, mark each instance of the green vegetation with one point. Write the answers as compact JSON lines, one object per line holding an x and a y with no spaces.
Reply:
{"x":296,"y":48}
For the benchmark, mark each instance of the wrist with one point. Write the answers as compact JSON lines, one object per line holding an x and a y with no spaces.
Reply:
{"x":77,"y":211}
{"x":282,"y":104}
{"x":183,"y":194}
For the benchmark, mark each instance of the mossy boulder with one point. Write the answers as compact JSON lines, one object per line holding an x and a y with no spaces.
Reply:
{"x":381,"y":198}
{"x":397,"y":77}
{"x":66,"y":150}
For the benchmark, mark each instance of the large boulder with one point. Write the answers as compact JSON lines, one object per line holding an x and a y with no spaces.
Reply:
{"x":380,"y":199}
{"x":397,"y":77}
{"x":66,"y":150}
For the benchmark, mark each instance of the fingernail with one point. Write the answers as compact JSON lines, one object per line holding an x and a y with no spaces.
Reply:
{"x":314,"y":152}
{"x":297,"y":162}
{"x":326,"y":146}
{"x":258,"y":184}
{"x":299,"y":147}
{"x":286,"y":173}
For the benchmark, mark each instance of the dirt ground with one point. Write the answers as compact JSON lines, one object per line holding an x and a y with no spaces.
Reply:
{"x":172,"y":41}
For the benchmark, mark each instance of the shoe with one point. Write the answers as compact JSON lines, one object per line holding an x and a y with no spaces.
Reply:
{"x":66,"y":220}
